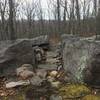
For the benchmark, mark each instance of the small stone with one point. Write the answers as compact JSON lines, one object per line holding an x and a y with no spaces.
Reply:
{"x":26,"y":75}
{"x":53,"y":73}
{"x":55,"y":84}
{"x":41,"y":73}
{"x":24,"y":67}
{"x":56,"y":97}
{"x":2,"y":94}
{"x":50,"y":79}
{"x":36,"y":80}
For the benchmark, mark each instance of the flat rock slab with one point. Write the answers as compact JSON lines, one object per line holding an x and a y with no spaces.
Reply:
{"x":16,"y":84}
{"x":47,"y":66}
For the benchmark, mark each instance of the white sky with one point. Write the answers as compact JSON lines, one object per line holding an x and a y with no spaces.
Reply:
{"x":45,"y":7}
{"x":43,"y":2}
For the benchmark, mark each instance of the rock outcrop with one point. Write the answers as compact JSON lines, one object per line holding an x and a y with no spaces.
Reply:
{"x":81,"y":58}
{"x":15,"y":53}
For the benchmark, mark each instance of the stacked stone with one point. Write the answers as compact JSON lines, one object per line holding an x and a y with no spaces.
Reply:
{"x":59,"y":59}
{"x":40,"y":55}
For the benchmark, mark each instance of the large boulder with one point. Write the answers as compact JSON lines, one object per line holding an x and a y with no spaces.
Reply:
{"x":21,"y":51}
{"x":81,"y":58}
{"x":14,"y":54}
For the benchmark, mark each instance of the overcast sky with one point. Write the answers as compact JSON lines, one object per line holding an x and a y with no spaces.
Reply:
{"x":44,"y":3}
{"x":45,"y":7}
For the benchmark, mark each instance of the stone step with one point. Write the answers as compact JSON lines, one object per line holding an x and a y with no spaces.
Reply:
{"x":52,"y":61}
{"x":51,"y":54}
{"x":47,"y":66}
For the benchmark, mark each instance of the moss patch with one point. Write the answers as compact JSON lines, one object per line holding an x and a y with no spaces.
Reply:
{"x":74,"y":91}
{"x":91,"y":97}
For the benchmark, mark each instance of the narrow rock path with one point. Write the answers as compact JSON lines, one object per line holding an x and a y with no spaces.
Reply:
{"x":52,"y":60}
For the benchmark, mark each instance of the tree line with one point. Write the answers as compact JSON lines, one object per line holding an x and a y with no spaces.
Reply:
{"x":21,"y":19}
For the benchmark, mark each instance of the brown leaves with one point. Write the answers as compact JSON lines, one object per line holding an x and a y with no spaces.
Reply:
{"x":3,"y":91}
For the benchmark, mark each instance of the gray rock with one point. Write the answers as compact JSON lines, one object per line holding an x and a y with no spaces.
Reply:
{"x":40,"y":40}
{"x":42,"y":73}
{"x":26,"y":75}
{"x":80,"y":55}
{"x":16,"y":84}
{"x":16,"y":54}
{"x":24,"y":67}
{"x":66,"y":37}
{"x":36,"y":80}
{"x":56,"y":97}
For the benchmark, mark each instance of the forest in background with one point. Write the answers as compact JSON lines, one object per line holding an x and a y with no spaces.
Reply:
{"x":22,"y":19}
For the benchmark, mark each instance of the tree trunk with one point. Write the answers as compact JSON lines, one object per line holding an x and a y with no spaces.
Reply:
{"x":95,"y":14}
{"x":98,"y":19}
{"x":58,"y":15}
{"x":11,"y":20}
{"x":72,"y":18}
{"x":64,"y":17}
{"x":78,"y":17}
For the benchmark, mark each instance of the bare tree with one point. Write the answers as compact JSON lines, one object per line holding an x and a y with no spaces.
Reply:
{"x":72,"y":17}
{"x":41,"y":19}
{"x":58,"y":15}
{"x":30,"y":13}
{"x":49,"y":10}
{"x":78,"y":17}
{"x":54,"y":13}
{"x":64,"y":16}
{"x":65,"y":8}
{"x":11,"y":20}
{"x":95,"y":7}
{"x":98,"y":18}
{"x":95,"y":14}
{"x":3,"y":6}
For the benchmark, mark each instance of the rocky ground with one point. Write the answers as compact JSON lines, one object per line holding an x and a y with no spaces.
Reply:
{"x":58,"y":77}
{"x":8,"y":87}
{"x":46,"y":90}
